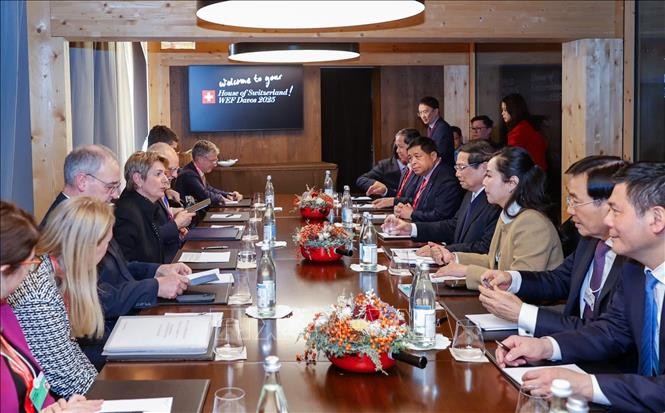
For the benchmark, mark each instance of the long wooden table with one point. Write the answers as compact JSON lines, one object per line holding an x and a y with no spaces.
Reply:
{"x":445,"y":385}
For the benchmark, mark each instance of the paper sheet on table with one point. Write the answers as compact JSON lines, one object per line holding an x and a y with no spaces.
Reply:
{"x":385,"y":235}
{"x":216,"y":317}
{"x":490,"y":322}
{"x":155,"y":405}
{"x":379,"y":216}
{"x":445,"y":278}
{"x":363,"y":206}
{"x":231,"y":202}
{"x":223,"y":278}
{"x":409,"y":255}
{"x":240,"y":228}
{"x":225,"y":216}
{"x":205,"y":257}
{"x":516,"y":373}
{"x":361,"y":198}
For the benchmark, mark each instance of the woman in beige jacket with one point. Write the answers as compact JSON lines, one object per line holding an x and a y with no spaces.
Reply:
{"x":524,"y":238}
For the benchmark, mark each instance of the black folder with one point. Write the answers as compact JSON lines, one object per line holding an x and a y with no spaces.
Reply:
{"x":212,"y":234}
{"x":188,"y":395}
{"x":221,"y":292}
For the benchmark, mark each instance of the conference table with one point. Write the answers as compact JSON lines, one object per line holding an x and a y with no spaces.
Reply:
{"x":444,"y":385}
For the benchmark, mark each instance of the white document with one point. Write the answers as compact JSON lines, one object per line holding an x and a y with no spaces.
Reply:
{"x":379,"y":216}
{"x":490,"y":322}
{"x":364,"y":206}
{"x":205,"y":257}
{"x":409,"y":255}
{"x":445,"y":278}
{"x":385,"y":235}
{"x":156,"y":405}
{"x":231,"y":202}
{"x":361,"y":198}
{"x":224,"y":278}
{"x":216,"y":317}
{"x":516,"y":373}
{"x":160,"y":334}
{"x":225,"y":216}
{"x":195,"y":275}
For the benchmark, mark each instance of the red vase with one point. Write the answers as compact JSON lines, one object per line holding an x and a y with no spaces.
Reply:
{"x":314,"y":213}
{"x":360,"y":364}
{"x":320,"y":254}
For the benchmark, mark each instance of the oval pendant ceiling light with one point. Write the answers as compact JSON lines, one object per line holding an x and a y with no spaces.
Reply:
{"x":304,"y":15}
{"x":292,"y":52}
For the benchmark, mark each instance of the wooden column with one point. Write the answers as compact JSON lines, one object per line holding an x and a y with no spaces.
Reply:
{"x":629,"y":80}
{"x":591,"y":100}
{"x":159,"y":88}
{"x":50,"y":105}
{"x":456,"y":96}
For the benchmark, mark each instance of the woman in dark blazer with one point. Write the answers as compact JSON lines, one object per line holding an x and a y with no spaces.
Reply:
{"x":137,"y":213}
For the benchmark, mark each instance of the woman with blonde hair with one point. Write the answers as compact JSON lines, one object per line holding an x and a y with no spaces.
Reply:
{"x":58,"y":299}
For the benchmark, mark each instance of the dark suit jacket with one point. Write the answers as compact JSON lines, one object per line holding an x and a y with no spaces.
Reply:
{"x":385,"y":171}
{"x":59,"y":199}
{"x":409,"y":190}
{"x":443,"y":138}
{"x":565,"y":282}
{"x":189,"y":182}
{"x":474,"y":236}
{"x":168,"y":233}
{"x":440,"y":198}
{"x":135,"y":229}
{"x":614,"y":333}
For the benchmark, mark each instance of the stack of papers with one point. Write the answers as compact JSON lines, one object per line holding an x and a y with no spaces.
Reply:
{"x":156,"y":405}
{"x":408,"y":255}
{"x":385,"y":235}
{"x":490,"y":322}
{"x":205,"y":257}
{"x":516,"y":373}
{"x":160,"y":335}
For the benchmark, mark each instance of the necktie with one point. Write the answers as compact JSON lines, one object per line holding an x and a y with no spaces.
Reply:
{"x":468,"y":212}
{"x":596,"y":275}
{"x":420,"y":191}
{"x":405,"y":179}
{"x":648,"y":355}
{"x":429,"y":131}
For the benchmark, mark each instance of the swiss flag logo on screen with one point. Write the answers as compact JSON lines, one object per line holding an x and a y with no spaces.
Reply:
{"x":208,"y":97}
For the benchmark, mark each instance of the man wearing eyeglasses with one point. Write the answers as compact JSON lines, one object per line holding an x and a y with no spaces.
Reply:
{"x":192,"y":181}
{"x":586,"y":279}
{"x":472,"y":227}
{"x":481,"y":128}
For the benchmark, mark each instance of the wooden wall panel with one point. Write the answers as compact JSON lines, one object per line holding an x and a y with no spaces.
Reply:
{"x":256,"y":147}
{"x":450,"y":21}
{"x":401,"y":89}
{"x":629,"y":80}
{"x":50,"y":106}
{"x":592,"y":100}
{"x":456,"y":97}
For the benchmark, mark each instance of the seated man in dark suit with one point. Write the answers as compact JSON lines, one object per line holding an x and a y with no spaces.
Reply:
{"x":123,"y":286}
{"x":438,"y":194}
{"x":472,"y":227}
{"x":635,"y":317}
{"x":191,"y":180}
{"x":384,"y":178}
{"x":587,"y":278}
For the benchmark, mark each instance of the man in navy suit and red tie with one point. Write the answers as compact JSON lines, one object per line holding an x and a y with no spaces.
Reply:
{"x":437,"y":129}
{"x":635,"y":318}
{"x":586,"y":279}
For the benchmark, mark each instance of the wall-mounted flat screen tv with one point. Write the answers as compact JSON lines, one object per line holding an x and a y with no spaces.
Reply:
{"x":242,"y":98}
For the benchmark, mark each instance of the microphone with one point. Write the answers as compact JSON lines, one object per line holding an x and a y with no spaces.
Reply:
{"x":408,"y":358}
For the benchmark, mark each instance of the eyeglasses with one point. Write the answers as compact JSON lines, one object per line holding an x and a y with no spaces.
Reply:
{"x":110,"y":186}
{"x":573,"y":205}
{"x":214,"y":160}
{"x":424,"y":112}
{"x":478,"y":129}
{"x":461,"y":167}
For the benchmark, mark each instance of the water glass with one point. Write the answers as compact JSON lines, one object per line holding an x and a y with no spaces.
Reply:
{"x":229,"y":343}
{"x":229,"y":400}
{"x":529,"y":403}
{"x":398,"y":266}
{"x":255,"y":216}
{"x":241,"y":291}
{"x":468,"y":344}
{"x":257,"y":200}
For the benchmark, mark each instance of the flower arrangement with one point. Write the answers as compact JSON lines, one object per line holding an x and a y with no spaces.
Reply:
{"x":317,"y":240}
{"x":362,"y":325}
{"x":314,"y":200}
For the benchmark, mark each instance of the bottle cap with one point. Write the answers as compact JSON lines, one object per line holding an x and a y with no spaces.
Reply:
{"x":577,"y":404}
{"x":271,"y":364}
{"x":561,"y":388}
{"x":346,"y":188}
{"x":269,"y":177}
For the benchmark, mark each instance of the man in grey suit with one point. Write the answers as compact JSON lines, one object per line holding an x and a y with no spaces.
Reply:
{"x":586,"y":279}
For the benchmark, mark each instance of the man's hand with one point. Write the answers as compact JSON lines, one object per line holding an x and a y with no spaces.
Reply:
{"x":236,"y":196}
{"x":497,"y":278}
{"x":383,"y":202}
{"x":540,"y":381}
{"x":404,"y":211}
{"x":396,"y":226}
{"x":500,"y":303}
{"x":441,"y":255}
{"x":451,"y":270}
{"x":76,"y":404}
{"x":173,"y":269}
{"x":523,"y":350}
{"x":377,"y":188}
{"x":182,"y":218}
{"x":171,"y":286}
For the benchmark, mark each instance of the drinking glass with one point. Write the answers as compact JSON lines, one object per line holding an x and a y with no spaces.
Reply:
{"x":247,"y":253}
{"x":241,"y":291}
{"x":468,"y":344}
{"x":255,"y":216}
{"x":398,"y":266}
{"x":229,"y":342}
{"x":229,"y":400}
{"x":529,"y":403}
{"x":257,"y":200}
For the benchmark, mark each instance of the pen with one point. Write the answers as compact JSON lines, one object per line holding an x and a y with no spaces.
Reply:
{"x":218,"y":247}
{"x":503,"y":346}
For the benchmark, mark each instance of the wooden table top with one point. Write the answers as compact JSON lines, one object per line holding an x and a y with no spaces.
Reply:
{"x":445,"y":385}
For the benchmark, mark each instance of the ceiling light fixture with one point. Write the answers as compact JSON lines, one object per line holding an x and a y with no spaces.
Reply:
{"x":292,"y":52}
{"x":304,"y":15}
